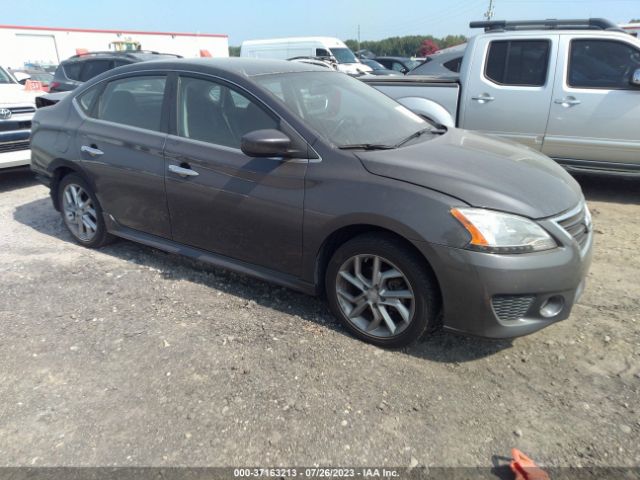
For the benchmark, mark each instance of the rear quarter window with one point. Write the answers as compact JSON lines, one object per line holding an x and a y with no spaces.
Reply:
{"x":72,"y":70}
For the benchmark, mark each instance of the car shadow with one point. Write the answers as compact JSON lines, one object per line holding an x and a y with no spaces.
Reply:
{"x":610,"y":189}
{"x":440,"y":346}
{"x":16,"y":178}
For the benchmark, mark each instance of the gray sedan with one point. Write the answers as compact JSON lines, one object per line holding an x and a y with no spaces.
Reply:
{"x":314,"y":180}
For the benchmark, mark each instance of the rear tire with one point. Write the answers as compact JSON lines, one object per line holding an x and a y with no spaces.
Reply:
{"x":382,"y":291}
{"x":81,"y":212}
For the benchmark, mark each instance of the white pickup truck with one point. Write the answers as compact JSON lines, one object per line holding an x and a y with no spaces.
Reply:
{"x":17,"y":107}
{"x":569,"y":88}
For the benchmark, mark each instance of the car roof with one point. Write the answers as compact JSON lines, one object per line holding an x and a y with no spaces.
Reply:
{"x":130,"y":55}
{"x":245,"y":67}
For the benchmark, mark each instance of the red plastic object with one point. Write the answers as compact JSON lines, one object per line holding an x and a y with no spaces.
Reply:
{"x":81,"y":51}
{"x":525,"y":468}
{"x":205,"y":53}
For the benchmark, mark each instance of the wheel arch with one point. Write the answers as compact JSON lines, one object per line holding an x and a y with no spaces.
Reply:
{"x":60,"y":168}
{"x":343,"y":234}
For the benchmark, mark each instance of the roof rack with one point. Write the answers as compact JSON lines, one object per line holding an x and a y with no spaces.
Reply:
{"x":549,"y":24}
{"x":124,"y":53}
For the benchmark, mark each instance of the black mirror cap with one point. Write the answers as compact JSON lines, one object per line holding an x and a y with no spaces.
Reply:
{"x":635,"y":78}
{"x":266,"y":143}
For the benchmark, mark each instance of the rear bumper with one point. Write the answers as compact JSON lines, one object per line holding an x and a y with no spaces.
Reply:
{"x":16,"y":158}
{"x":501,"y":296}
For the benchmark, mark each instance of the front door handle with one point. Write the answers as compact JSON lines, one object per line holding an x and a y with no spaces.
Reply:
{"x":91,"y":150}
{"x":182,"y":171}
{"x":567,"y":101}
{"x":484,"y":98}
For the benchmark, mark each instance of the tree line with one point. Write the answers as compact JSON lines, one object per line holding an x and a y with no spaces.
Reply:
{"x":408,"y":46}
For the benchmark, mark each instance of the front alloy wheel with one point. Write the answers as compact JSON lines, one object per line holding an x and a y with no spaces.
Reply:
{"x":375,"y":295}
{"x":382,"y":290}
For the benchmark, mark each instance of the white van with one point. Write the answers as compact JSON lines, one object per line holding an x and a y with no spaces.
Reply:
{"x":287,"y":48}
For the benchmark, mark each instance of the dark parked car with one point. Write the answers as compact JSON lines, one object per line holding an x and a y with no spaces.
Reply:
{"x":399,"y":64}
{"x":446,"y":62}
{"x":378,"y":68}
{"x":78,"y":69}
{"x":318,"y":182}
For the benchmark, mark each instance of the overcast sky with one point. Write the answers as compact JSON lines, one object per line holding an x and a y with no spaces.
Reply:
{"x":247,"y":19}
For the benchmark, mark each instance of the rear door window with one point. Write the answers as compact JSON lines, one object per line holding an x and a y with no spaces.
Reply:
{"x":93,"y":68}
{"x":134,"y":101}
{"x":518,"y":62}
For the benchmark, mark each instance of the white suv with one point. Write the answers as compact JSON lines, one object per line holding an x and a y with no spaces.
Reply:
{"x":17,"y":107}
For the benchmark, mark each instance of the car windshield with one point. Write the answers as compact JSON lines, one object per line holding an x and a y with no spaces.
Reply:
{"x":5,"y":77}
{"x":411,"y":64}
{"x":344,"y":55}
{"x":343,"y":110}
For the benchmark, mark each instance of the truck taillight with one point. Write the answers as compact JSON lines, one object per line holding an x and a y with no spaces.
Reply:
{"x":53,"y":85}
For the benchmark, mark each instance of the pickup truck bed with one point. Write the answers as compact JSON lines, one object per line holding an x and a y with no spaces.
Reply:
{"x":573,"y":94}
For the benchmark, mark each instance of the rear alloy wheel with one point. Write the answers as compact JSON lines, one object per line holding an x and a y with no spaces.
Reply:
{"x":381,"y":290}
{"x":81,"y":212}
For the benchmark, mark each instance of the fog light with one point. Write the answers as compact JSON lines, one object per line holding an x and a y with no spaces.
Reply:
{"x":552,"y":306}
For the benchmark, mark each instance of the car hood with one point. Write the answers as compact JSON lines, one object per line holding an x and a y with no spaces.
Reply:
{"x":15,"y":94}
{"x":481,"y":171}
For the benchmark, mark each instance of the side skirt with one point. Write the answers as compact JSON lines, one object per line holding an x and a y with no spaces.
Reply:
{"x":600,"y":168}
{"x":216,"y":260}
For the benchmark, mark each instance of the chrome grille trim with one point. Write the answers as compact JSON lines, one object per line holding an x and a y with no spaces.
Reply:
{"x":574,"y":223}
{"x":18,"y":110}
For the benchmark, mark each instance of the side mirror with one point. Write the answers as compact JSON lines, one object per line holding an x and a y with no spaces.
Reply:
{"x":265,"y":143}
{"x":635,"y":78}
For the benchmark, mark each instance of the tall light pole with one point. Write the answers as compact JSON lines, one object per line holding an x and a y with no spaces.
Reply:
{"x":358,"y":37}
{"x":489,"y":13}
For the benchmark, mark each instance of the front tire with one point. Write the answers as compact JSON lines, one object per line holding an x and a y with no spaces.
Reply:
{"x":81,"y":212}
{"x":382,"y":291}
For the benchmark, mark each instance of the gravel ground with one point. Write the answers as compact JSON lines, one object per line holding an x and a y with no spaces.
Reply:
{"x":129,"y":356}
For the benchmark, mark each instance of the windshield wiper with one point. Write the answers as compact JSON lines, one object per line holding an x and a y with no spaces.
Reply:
{"x":366,"y":146}
{"x":435,"y":131}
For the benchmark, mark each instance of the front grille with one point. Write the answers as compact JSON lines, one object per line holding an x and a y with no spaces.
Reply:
{"x":511,"y":307}
{"x":17,"y":110}
{"x":14,"y":146}
{"x":12,"y":125}
{"x":576,"y":226}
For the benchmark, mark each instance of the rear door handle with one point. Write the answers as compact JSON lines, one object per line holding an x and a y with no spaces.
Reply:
{"x":93,"y":151}
{"x":567,"y":101}
{"x":484,"y":98}
{"x":185,"y":172}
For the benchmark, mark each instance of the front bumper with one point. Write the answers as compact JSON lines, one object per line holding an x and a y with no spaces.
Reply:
{"x":501,"y":296}
{"x":16,"y":158}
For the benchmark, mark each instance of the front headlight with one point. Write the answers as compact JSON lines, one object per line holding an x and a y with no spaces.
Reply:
{"x":498,"y":232}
